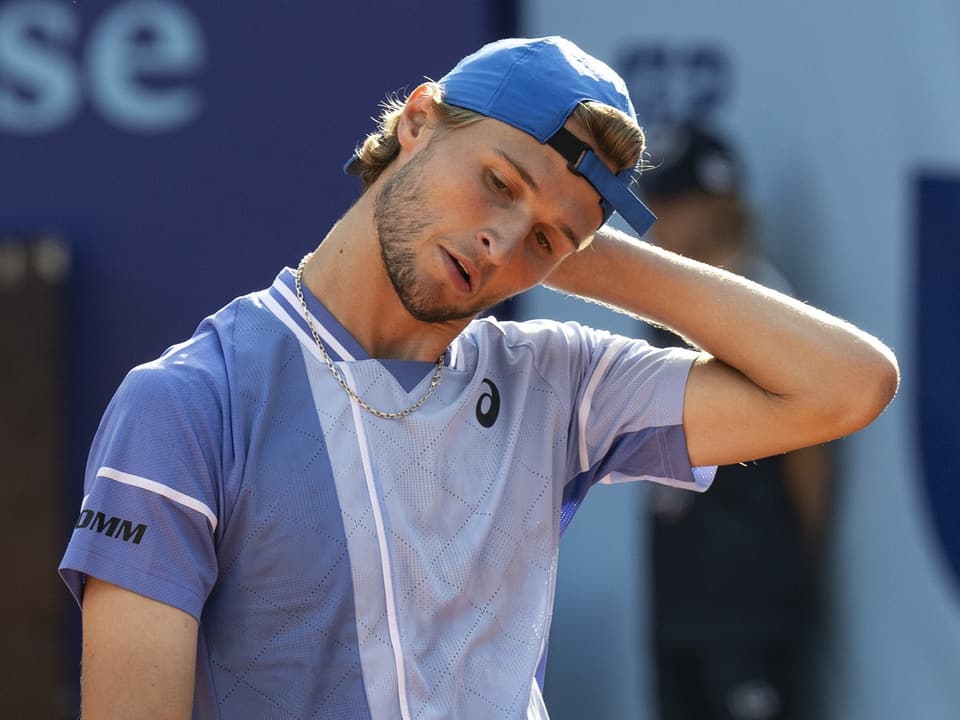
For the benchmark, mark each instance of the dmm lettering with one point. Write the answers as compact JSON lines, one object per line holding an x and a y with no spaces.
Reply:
{"x":113,"y":527}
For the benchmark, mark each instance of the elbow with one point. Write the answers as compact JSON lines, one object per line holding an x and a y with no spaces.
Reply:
{"x":873,"y":383}
{"x":889,"y":381}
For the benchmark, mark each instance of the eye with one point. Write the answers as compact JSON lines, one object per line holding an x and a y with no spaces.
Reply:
{"x":499,"y":185}
{"x":543,"y":241}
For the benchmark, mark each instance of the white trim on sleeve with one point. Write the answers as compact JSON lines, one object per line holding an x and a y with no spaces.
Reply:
{"x":160,"y":489}
{"x":583,"y":412}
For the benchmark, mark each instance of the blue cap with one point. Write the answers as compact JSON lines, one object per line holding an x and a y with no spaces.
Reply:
{"x":534,"y":85}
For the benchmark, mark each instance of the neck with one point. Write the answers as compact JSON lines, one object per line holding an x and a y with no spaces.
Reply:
{"x":347,"y":275}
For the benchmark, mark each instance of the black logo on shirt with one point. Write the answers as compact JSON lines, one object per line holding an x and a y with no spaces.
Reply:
{"x":114,"y":527}
{"x":487,"y":416}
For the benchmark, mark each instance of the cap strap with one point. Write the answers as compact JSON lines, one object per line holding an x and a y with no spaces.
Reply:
{"x":615,"y":192}
{"x":570,"y":146}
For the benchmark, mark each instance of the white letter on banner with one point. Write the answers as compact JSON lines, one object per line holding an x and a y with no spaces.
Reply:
{"x":140,"y":41}
{"x":39,"y":91}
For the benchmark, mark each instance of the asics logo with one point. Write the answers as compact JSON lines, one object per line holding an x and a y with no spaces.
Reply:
{"x":488,"y":405}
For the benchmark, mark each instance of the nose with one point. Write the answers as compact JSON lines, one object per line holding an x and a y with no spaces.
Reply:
{"x":503,"y":236}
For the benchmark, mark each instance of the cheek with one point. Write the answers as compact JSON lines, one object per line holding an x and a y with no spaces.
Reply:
{"x":532,"y":267}
{"x":458,"y":203}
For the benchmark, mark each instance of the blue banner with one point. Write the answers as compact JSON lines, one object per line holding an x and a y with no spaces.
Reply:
{"x":937,"y":348}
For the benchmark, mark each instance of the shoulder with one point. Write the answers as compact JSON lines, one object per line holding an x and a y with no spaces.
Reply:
{"x":540,"y":335}
{"x":565,"y":352}
{"x":191,"y":374}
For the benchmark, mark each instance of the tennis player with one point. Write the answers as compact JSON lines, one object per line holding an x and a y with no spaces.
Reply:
{"x":343,"y":496}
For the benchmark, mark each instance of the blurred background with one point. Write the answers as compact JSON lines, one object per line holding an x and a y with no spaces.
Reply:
{"x":159,"y":157}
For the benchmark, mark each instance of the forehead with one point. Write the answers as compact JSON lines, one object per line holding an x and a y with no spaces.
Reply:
{"x":544,"y":173}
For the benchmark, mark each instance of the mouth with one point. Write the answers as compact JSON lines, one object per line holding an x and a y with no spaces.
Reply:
{"x":461,"y":272}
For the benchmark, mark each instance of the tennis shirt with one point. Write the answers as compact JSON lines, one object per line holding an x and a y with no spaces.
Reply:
{"x":341,"y":565}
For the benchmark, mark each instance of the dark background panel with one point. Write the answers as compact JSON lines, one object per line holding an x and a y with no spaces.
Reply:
{"x":32,"y":279}
{"x":937,"y":347}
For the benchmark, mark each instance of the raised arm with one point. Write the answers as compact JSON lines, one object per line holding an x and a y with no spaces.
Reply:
{"x":775,"y":374}
{"x":139,"y":656}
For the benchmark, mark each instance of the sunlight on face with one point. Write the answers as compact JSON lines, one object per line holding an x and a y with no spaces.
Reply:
{"x":513,"y":224}
{"x":402,"y":219}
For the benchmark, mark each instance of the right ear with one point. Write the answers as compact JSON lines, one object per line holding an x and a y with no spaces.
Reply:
{"x":417,"y":119}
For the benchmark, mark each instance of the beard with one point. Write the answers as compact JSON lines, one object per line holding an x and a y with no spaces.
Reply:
{"x":402,"y":219}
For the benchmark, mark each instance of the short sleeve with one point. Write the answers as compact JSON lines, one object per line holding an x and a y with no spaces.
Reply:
{"x":629,"y":412}
{"x":153,"y":485}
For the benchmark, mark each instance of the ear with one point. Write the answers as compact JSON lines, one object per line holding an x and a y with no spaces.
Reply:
{"x":417,"y":119}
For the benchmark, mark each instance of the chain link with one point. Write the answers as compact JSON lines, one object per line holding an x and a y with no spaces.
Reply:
{"x":434,"y":381}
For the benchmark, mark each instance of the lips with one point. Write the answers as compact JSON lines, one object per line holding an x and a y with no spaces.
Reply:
{"x":461,"y":270}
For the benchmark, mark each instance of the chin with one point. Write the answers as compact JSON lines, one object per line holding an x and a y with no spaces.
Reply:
{"x":431,"y":311}
{"x":437,"y":315}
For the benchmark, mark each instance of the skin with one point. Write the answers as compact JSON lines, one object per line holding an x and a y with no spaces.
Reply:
{"x":778,"y":374}
{"x":139,"y":656}
{"x":483,"y":213}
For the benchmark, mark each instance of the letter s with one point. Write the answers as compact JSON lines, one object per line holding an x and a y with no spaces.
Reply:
{"x":39,"y":90}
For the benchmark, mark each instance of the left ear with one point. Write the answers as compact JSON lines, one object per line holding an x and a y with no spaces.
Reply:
{"x":417,"y":119}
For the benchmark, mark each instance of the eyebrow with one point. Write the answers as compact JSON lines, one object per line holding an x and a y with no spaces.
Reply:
{"x":532,"y":184}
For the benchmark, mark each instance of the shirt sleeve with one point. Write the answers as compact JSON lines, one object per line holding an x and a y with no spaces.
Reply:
{"x":152,"y":488}
{"x":628,"y":411}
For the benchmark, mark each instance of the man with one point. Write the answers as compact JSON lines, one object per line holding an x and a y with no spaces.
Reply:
{"x":734,"y":569}
{"x":343,"y":496}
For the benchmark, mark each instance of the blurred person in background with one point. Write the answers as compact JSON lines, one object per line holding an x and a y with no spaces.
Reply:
{"x":735,"y":569}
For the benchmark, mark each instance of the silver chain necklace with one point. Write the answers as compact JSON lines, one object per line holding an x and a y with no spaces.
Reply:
{"x":434,"y":381}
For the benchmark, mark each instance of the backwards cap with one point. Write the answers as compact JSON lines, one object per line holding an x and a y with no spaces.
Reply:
{"x":534,"y":85}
